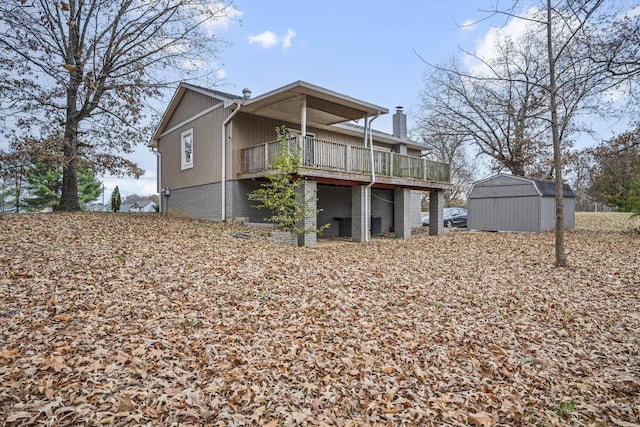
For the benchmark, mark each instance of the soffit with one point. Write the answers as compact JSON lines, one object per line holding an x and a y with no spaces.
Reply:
{"x":324,"y":107}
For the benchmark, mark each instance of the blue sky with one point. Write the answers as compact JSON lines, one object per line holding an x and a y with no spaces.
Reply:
{"x":364,"y":49}
{"x":361,"y":48}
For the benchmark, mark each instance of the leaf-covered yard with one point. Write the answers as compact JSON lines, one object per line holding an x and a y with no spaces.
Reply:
{"x":136,"y":319}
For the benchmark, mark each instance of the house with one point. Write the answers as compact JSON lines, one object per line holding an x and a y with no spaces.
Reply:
{"x":514,"y":203}
{"x":144,"y":206}
{"x":213,"y":149}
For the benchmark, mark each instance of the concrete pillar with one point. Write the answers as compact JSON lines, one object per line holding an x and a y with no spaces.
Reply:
{"x":402,"y":213}
{"x":436,"y":205}
{"x":307,"y":193}
{"x":360,"y":213}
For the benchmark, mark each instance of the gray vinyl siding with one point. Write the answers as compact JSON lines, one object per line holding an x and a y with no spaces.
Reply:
{"x":548,"y":207}
{"x":249,"y":130}
{"x":206,"y":152}
{"x":504,"y":213}
{"x":548,"y":213}
{"x":192,"y":103}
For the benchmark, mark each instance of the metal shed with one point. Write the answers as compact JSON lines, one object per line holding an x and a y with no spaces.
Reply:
{"x":514,"y":203}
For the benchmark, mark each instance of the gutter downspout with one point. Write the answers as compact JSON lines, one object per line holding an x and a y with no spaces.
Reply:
{"x":373,"y":176}
{"x":223,"y":167}
{"x":158,"y":154}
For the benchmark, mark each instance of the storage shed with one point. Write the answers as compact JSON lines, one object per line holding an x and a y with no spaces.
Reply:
{"x":514,"y":203}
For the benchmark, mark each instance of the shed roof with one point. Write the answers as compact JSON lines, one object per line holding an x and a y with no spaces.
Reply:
{"x":547,"y":187}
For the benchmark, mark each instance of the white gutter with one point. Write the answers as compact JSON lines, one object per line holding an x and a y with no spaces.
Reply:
{"x":373,"y":176}
{"x":223,"y":167}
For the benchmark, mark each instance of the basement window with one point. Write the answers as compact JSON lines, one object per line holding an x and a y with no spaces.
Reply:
{"x":186,"y":150}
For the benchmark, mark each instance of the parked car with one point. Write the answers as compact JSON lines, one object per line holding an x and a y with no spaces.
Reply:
{"x":452,"y":217}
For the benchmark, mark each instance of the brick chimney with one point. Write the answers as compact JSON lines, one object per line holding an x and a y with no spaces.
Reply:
{"x":400,"y":124}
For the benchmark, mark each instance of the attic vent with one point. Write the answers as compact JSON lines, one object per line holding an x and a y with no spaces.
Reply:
{"x":246,"y":92}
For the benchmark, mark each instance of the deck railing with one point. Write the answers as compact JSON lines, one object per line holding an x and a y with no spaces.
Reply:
{"x":327,"y":155}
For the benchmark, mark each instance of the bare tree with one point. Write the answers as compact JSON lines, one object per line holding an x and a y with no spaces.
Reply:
{"x":560,"y":74}
{"x":579,"y":168}
{"x":446,"y":148}
{"x":86,"y":69}
{"x":498,"y":107}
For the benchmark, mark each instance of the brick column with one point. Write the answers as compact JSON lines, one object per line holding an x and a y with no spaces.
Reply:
{"x":402,"y":213}
{"x":308,"y":192}
{"x":436,"y":220}
{"x":360,"y":213}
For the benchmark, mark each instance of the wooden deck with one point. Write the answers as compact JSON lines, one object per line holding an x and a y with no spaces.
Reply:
{"x":331,"y":160}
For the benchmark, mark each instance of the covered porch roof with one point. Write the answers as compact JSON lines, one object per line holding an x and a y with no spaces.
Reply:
{"x":303,"y":102}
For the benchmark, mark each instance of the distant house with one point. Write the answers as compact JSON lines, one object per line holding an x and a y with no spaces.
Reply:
{"x":144,"y":206}
{"x":99,"y":207}
{"x":214,"y":148}
{"x":514,"y":203}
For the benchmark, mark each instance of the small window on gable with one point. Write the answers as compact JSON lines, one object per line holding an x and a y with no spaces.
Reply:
{"x":186,"y":149}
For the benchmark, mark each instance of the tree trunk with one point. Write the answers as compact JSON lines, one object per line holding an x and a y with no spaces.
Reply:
{"x":69,"y":197}
{"x":561,"y":257}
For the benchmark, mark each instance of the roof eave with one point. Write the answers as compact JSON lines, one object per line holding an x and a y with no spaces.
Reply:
{"x":173,"y":104}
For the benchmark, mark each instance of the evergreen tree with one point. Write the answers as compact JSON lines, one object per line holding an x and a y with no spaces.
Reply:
{"x":115,"y":199}
{"x":89,"y":188}
{"x":44,"y":186}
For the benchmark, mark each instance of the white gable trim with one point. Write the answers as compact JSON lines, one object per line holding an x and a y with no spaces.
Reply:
{"x":190,"y":119}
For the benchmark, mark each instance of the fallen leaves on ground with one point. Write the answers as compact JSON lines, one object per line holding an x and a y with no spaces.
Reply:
{"x":141,"y":319}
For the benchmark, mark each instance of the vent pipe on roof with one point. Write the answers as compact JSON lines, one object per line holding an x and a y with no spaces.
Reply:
{"x":246,"y":93}
{"x":400,"y":124}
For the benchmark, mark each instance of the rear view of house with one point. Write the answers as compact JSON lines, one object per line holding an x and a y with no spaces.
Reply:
{"x":214,"y":148}
{"x":514,"y":203}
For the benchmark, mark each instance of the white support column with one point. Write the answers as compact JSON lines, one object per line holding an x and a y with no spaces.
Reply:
{"x":303,"y":116}
{"x":366,"y":126}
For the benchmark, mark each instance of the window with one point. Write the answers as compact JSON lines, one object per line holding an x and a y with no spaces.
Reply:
{"x":186,"y":150}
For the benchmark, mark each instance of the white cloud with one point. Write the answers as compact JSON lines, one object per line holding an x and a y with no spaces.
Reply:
{"x":265,"y":39}
{"x":268,"y":39}
{"x":286,"y":42}
{"x":223,"y":15}
{"x":221,"y":74}
{"x":194,"y":64}
{"x":486,"y":47}
{"x":632,"y":13}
